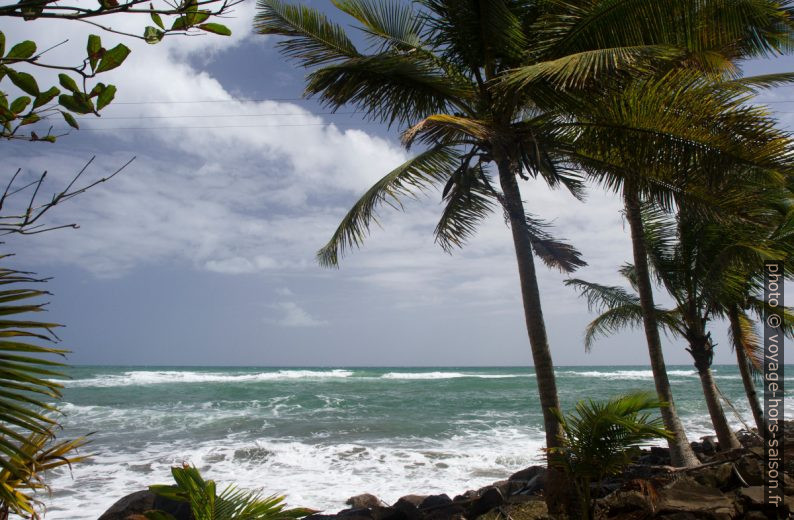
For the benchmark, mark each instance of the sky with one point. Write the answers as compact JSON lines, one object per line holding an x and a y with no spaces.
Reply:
{"x":201,"y":252}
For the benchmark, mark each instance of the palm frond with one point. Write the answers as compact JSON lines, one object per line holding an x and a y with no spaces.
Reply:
{"x":469,"y":199}
{"x":445,"y":129}
{"x":578,"y":69}
{"x":390,"y":24}
{"x":429,"y":168}
{"x":312,"y":39}
{"x":390,"y":87}
{"x":553,"y":252}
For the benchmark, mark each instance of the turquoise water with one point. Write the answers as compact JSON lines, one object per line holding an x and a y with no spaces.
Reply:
{"x":320,"y":435}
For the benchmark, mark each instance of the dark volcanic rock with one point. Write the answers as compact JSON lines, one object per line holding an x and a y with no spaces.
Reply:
{"x":435,"y":501}
{"x":407,"y":506}
{"x":141,"y":501}
{"x":364,"y":500}
{"x":491,"y":498}
{"x":415,"y":500}
{"x":357,"y":513}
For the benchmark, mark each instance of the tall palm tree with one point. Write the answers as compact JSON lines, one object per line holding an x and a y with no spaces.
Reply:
{"x":495,"y":88}
{"x":695,"y":261}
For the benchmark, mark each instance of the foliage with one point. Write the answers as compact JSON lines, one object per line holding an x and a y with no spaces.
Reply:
{"x":23,"y":102}
{"x":22,"y":478}
{"x":231,"y":504}
{"x":543,"y":86}
{"x":28,"y":445}
{"x":598,"y":438}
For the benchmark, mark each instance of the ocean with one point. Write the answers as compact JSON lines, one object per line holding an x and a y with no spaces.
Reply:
{"x":321,"y":435}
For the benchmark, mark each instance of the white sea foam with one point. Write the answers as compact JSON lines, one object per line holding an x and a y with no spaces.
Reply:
{"x":313,"y":475}
{"x":625,"y":374}
{"x":156,"y":377}
{"x":447,"y":375}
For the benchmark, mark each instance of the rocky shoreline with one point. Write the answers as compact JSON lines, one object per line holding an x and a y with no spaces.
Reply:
{"x":728,"y":485}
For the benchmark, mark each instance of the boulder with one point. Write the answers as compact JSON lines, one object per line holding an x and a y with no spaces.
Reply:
{"x":356,"y":513}
{"x":529,"y":481}
{"x":720,"y":476}
{"x":364,"y":500}
{"x":687,"y":495}
{"x":407,"y":506}
{"x":435,"y":501}
{"x":709,"y":445}
{"x":141,"y":501}
{"x":415,"y":500}
{"x":490,"y":499}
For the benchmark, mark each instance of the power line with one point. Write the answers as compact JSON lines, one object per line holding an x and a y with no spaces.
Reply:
{"x":109,"y":129}
{"x":171,"y":102}
{"x":217,"y":115}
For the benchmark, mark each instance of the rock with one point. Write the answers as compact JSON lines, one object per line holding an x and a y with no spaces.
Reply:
{"x":490,"y":499}
{"x":141,"y":501}
{"x":709,"y":445}
{"x":749,"y":468}
{"x":364,"y":500}
{"x":414,"y":500}
{"x":356,"y":513}
{"x":525,"y":475}
{"x":686,"y":495}
{"x":753,"y":495}
{"x":435,"y":501}
{"x":720,"y":476}
{"x":388,"y":513}
{"x":407,"y":506}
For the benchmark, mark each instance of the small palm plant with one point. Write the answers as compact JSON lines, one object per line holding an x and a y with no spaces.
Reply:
{"x":598,"y":438}
{"x":231,"y":504}
{"x":28,"y":420}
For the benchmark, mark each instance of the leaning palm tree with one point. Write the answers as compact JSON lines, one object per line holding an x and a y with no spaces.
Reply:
{"x":770,"y":229}
{"x":694,"y":260}
{"x":494,"y":91}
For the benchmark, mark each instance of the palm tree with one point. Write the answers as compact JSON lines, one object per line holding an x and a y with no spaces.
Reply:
{"x":498,"y":84}
{"x":231,"y":503}
{"x":598,"y":438}
{"x":695,"y":261}
{"x":769,"y":229}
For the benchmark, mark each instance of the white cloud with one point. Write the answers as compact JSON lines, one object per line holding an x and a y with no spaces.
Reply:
{"x":295,"y":316}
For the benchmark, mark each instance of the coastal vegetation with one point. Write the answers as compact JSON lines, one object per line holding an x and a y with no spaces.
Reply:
{"x":598,"y":440}
{"x":206,"y":503}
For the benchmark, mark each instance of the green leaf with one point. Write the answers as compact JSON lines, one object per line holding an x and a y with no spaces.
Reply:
{"x":113,"y":58}
{"x":69,"y":118}
{"x":22,"y":51}
{"x":156,"y":17}
{"x":180,"y":24}
{"x":45,"y":97}
{"x":32,"y":118}
{"x":77,"y":103}
{"x":216,"y":28}
{"x":152,"y":34}
{"x":49,"y":139}
{"x":105,"y":97}
{"x":68,"y":83}
{"x":19,"y":104}
{"x":94,"y":49}
{"x":96,"y":90}
{"x":24,"y":81}
{"x":2,"y":43}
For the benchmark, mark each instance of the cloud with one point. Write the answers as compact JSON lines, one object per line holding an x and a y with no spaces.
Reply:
{"x":295,"y":316}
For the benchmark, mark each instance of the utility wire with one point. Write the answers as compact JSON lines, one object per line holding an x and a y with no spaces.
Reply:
{"x":217,"y":115}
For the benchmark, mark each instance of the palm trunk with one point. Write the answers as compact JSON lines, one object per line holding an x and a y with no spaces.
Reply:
{"x":744,"y":370}
{"x":536,"y":328}
{"x":681,"y":453}
{"x":725,"y":435}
